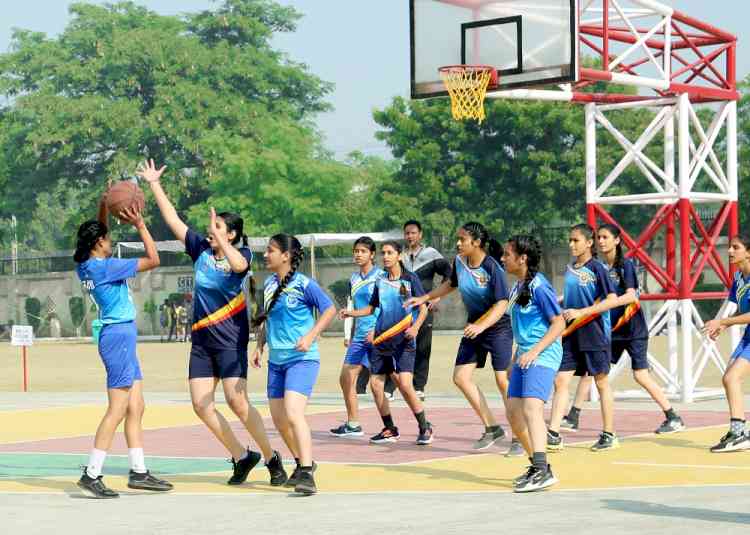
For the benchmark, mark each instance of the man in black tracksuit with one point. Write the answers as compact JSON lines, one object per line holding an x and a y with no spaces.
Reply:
{"x":426,"y":262}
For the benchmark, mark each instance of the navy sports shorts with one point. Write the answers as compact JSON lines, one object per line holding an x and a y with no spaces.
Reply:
{"x":220,"y":363}
{"x":637,"y":349}
{"x":396,"y":358}
{"x":497,"y":342}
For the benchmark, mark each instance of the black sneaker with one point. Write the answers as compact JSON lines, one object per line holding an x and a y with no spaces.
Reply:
{"x":523,"y":477}
{"x":671,"y":425}
{"x":276,"y":469}
{"x":606,"y":442}
{"x":241,"y":469}
{"x":385,"y":436}
{"x":554,"y":443}
{"x":347,"y":431}
{"x":425,"y":435}
{"x":147,"y":481}
{"x":294,"y":478}
{"x":488,"y":438}
{"x":95,"y":487}
{"x":569,"y":424}
{"x":305,"y":483}
{"x":538,"y":480}
{"x":732,"y":442}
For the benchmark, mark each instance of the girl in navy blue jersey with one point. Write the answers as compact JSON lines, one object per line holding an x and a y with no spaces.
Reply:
{"x":587,"y":298}
{"x":629,"y":332}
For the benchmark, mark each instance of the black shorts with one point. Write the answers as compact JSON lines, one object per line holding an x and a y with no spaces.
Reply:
{"x":220,"y":363}
{"x":391,"y":358}
{"x":497,"y":342}
{"x":637,"y":349}
{"x":583,"y":362}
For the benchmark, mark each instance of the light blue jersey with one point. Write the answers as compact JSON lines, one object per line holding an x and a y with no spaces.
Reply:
{"x":292,"y":317}
{"x":360,"y":290}
{"x":740,"y":294}
{"x":105,"y":279}
{"x":481,"y":287}
{"x":531,"y":322}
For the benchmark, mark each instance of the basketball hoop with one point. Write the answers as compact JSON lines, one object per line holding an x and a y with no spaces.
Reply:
{"x":467,"y":86}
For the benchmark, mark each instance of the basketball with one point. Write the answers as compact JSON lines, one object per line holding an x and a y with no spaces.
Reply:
{"x":123,"y":195}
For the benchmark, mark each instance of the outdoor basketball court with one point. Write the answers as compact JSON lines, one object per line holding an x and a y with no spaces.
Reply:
{"x":649,"y":482}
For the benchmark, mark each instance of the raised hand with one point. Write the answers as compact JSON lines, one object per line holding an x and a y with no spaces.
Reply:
{"x":148,"y":171}
{"x":131,"y":215}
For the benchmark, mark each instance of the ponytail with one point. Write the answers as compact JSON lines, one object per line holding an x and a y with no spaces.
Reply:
{"x":290,"y":244}
{"x":619,"y":264}
{"x":88,"y":234}
{"x":491,"y":246}
{"x":529,"y":246}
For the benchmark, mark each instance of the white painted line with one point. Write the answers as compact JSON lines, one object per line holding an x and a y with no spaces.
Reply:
{"x":708,"y":466}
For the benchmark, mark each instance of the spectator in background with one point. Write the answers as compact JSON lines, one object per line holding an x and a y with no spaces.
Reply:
{"x":164,"y":319}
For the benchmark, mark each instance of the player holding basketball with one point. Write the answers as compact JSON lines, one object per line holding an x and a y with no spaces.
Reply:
{"x":220,"y":331}
{"x":537,"y":324}
{"x":739,"y":364}
{"x":587,"y":298}
{"x":394,"y":342}
{"x":361,"y":286}
{"x":105,"y":278}
{"x":480,"y":278}
{"x":288,"y":325}
{"x":629,"y":332}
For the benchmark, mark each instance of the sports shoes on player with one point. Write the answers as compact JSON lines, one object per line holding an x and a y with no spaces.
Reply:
{"x":385,"y":436}
{"x":426,"y":435}
{"x":294,"y":478}
{"x":732,"y":442}
{"x":276,"y":470}
{"x":488,"y":438}
{"x":241,"y":469}
{"x":347,"y":431}
{"x":147,"y":481}
{"x":523,"y":477}
{"x":537,"y":480}
{"x":305,"y":483}
{"x":569,"y":424}
{"x":607,"y":441}
{"x":554,"y":443}
{"x":671,"y":425}
{"x":94,"y":487}
{"x":515,"y":449}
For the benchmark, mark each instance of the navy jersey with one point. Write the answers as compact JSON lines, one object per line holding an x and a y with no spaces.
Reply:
{"x":390,"y":296}
{"x":360,"y":290}
{"x":480,"y":287}
{"x":624,"y":279}
{"x":105,"y":279}
{"x":292,"y":317}
{"x":219,"y":306}
{"x":531,"y":322}
{"x":740,"y":295}
{"x":584,"y":286}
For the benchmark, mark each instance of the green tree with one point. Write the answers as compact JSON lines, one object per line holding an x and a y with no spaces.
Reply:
{"x":205,"y":94}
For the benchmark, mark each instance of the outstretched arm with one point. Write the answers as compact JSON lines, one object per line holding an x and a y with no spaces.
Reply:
{"x":151,"y":174}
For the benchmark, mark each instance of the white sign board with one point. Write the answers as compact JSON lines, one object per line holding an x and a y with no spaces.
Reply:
{"x":22,"y":335}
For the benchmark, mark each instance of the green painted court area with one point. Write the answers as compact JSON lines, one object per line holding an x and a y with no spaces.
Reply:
{"x":21,"y":465}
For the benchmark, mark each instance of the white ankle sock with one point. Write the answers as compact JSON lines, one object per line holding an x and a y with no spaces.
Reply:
{"x":96,"y":463}
{"x":137,"y":460}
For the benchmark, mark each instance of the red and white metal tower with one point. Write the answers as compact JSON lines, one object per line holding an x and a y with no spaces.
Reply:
{"x":676,"y":62}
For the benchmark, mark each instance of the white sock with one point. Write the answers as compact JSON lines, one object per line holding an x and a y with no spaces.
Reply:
{"x":137,"y":460}
{"x":96,"y":463}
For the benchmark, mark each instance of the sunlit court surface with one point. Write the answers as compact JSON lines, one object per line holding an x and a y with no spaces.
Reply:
{"x":664,"y":484}
{"x":314,"y":176}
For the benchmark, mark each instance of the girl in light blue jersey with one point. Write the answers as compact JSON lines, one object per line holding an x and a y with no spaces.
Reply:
{"x":289,"y":326}
{"x":105,"y":279}
{"x":359,"y":348}
{"x":737,"y":438}
{"x":537,"y":324}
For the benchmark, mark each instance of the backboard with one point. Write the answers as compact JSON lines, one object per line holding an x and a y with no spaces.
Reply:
{"x":529,"y":42}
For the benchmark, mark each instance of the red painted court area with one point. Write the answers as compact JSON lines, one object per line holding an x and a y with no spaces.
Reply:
{"x":455,"y":431}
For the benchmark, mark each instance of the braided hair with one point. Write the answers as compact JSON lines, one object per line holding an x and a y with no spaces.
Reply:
{"x":234,"y":222}
{"x":619,"y":264}
{"x":492,"y":247}
{"x":523,"y":244}
{"x":287,"y":244}
{"x":587,"y":233}
{"x":88,"y":234}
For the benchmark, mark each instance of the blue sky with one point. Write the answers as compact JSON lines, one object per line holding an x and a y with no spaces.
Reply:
{"x":360,"y":45}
